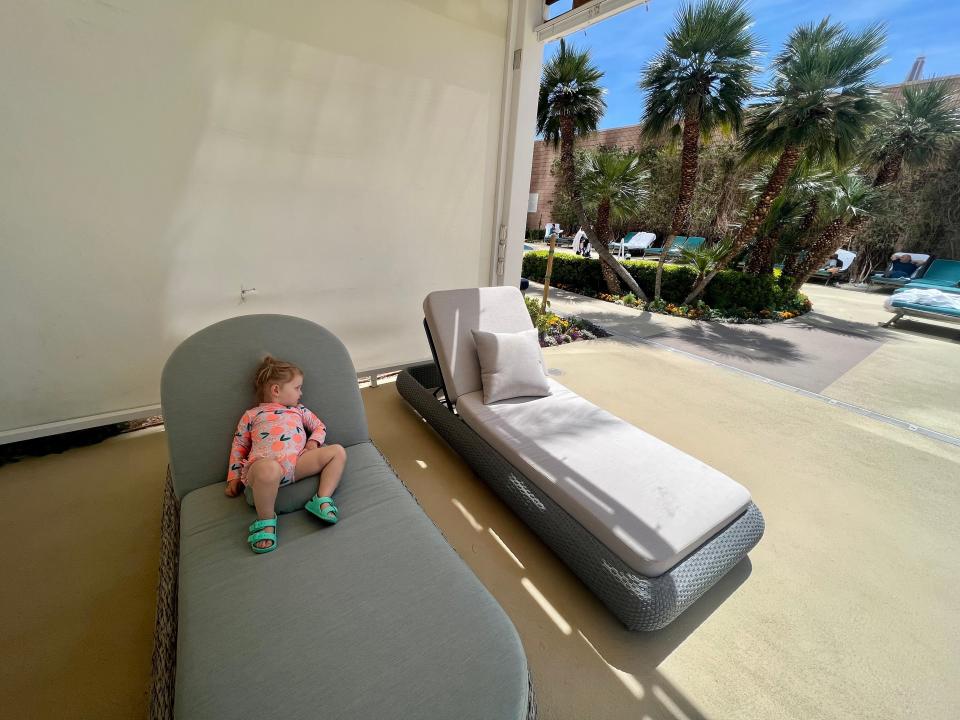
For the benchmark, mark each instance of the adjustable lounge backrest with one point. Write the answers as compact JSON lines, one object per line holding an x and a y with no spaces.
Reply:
{"x":207,"y":384}
{"x":452,"y":314}
{"x":846,"y":258}
{"x":943,"y":270}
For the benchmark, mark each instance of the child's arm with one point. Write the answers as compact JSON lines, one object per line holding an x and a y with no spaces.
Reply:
{"x":313,"y":425}
{"x":239,"y":450}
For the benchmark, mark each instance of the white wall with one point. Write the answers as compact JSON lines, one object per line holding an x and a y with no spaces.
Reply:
{"x":157,"y":154}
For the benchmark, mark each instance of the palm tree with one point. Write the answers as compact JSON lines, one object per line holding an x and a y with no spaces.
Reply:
{"x":791,"y":215}
{"x":819,"y":106}
{"x":914,"y":131}
{"x":705,"y":258}
{"x":614,"y":187}
{"x":853,"y":197}
{"x":700,"y":80}
{"x":570,"y":104}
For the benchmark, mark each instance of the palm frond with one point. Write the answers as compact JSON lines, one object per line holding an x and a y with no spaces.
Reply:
{"x":919,"y":127}
{"x":822,"y":96}
{"x":617,"y":176}
{"x":706,"y":70}
{"x":569,"y":87}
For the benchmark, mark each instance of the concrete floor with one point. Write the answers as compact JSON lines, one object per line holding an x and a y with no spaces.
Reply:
{"x":847,"y":608}
{"x":911,"y":372}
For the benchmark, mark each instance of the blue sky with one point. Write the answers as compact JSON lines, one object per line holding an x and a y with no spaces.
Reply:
{"x":622,"y":45}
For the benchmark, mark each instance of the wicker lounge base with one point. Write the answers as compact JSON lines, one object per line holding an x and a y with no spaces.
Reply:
{"x":639,"y":602}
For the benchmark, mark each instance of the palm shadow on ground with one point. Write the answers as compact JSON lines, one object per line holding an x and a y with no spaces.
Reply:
{"x":739,"y":341}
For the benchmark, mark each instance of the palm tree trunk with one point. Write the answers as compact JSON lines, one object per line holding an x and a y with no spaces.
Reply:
{"x":567,"y":172}
{"x":761,"y":257}
{"x":792,"y":261}
{"x":688,"y":182}
{"x":791,"y":265}
{"x":813,"y":207}
{"x":890,"y":170}
{"x":725,"y":203}
{"x":821,"y":248}
{"x":603,"y":236}
{"x":778,"y":180}
{"x":568,"y":177}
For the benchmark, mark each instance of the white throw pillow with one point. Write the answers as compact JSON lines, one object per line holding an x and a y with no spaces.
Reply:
{"x":511,"y":365}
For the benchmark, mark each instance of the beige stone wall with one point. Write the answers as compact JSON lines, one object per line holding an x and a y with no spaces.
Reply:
{"x":544,"y":155}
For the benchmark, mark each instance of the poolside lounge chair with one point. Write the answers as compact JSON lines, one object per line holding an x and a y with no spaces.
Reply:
{"x":927,"y":303}
{"x":375,"y":617}
{"x":903,"y":268}
{"x":681,"y":243}
{"x":940,"y":274}
{"x":633,"y":244}
{"x":645,"y":526}
{"x":654,"y":252}
{"x":846,"y":259}
{"x":691,"y":243}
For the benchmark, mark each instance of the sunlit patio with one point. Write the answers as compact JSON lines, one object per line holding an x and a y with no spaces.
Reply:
{"x":845,"y":609}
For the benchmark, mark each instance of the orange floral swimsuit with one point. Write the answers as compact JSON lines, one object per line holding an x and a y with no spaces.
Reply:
{"x":274,"y":431}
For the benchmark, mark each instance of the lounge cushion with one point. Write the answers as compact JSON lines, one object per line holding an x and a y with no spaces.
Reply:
{"x":933,"y":309}
{"x":511,"y":365}
{"x":375,"y":617}
{"x":290,"y":498}
{"x":934,"y":283}
{"x":649,"y":503}
{"x":452,"y":314}
{"x":207,"y":384}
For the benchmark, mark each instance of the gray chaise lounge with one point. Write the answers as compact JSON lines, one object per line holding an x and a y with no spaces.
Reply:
{"x":374,"y":617}
{"x":645,"y":526}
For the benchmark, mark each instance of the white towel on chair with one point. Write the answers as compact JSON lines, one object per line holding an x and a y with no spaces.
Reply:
{"x":929,"y":296}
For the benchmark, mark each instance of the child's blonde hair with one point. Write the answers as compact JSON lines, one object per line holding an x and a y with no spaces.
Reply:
{"x":273,"y":371}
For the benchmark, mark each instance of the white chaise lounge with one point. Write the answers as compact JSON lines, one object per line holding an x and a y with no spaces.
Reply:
{"x":647,"y":527}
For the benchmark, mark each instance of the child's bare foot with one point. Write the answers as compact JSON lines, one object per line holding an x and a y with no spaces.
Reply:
{"x":234,"y":487}
{"x":267,"y":543}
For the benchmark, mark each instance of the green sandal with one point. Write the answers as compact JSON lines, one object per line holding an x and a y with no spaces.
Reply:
{"x":327,"y":514}
{"x":258,"y":533}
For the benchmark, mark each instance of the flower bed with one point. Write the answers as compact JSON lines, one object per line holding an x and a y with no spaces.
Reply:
{"x":555,"y":330}
{"x":701,"y":311}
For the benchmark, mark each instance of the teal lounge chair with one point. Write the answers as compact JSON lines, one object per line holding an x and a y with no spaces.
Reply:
{"x":941,"y":274}
{"x":678,"y":241}
{"x":919,"y":309}
{"x":899,"y":272}
{"x":690,"y":243}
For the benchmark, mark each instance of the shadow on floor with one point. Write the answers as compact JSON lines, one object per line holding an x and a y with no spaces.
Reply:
{"x":741,"y":341}
{"x":560,"y":617}
{"x":846,"y":328}
{"x":926,"y":329}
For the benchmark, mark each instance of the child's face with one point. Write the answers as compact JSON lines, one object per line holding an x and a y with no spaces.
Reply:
{"x":289,"y":392}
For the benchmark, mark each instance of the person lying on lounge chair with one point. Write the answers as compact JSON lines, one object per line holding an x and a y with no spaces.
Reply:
{"x":901,"y":266}
{"x":834,"y":264}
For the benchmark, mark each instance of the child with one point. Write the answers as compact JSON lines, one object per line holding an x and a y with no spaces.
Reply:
{"x":271,"y":449}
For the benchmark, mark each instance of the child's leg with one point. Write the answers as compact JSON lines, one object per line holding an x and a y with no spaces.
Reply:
{"x":264,"y":478}
{"x":329,"y":461}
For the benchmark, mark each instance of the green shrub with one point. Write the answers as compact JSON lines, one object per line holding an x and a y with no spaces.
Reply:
{"x":730,"y":290}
